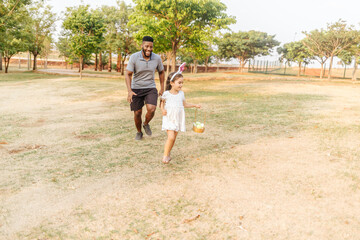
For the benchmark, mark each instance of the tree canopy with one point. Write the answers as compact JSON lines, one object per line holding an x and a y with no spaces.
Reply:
{"x":246,"y":45}
{"x":295,"y":52}
{"x":179,"y":21}
{"x":86,"y":30}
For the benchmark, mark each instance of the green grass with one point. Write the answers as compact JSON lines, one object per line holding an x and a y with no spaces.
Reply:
{"x":234,"y":115}
{"x":25,"y":76}
{"x":102,"y":144}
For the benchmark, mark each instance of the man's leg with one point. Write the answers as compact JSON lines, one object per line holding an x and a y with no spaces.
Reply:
{"x":150,"y":112}
{"x":137,"y":119}
{"x":151,"y":101}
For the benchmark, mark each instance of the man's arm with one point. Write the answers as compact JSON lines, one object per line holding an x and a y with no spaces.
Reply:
{"x":162,"y":81}
{"x":128,"y":77}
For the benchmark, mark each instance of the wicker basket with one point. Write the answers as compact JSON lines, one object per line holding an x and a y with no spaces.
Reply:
{"x":199,"y":130}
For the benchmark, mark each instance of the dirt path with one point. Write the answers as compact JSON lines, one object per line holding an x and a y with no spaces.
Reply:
{"x":76,"y":73}
{"x":303,"y":185}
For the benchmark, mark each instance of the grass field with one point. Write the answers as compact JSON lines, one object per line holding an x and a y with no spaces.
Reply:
{"x":279,"y":160}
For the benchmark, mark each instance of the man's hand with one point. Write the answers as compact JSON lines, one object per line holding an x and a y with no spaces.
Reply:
{"x":130,"y":95}
{"x":161,"y":92}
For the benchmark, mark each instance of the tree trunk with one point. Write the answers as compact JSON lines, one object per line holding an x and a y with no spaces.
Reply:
{"x":321,"y":70}
{"x":240,"y":64}
{"x":96,"y":62}
{"x":206,"y":64}
{"x":46,"y":60}
{"x":173,"y":60}
{"x":1,"y":62}
{"x":35,"y":61}
{"x":168,"y":56}
{"x":243,"y":65}
{"x":7,"y":61}
{"x":331,"y":62}
{"x":195,"y":66}
{"x":118,"y":63}
{"x":28,"y":61}
{"x":110,"y":61}
{"x":81,"y":60}
{"x":123,"y":65}
{"x":299,"y":71}
{"x":355,"y":69}
{"x":100,"y":62}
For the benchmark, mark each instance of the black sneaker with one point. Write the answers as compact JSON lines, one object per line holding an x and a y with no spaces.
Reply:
{"x":147,"y":129}
{"x":139,"y":136}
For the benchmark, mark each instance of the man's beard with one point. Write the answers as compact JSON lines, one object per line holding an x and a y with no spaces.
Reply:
{"x":145,"y":53}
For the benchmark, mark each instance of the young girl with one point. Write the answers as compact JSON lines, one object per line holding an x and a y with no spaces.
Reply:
{"x":172,"y":107}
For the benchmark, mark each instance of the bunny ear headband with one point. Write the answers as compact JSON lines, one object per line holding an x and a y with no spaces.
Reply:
{"x":181,"y":69}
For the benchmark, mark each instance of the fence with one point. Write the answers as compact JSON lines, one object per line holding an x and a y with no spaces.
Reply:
{"x":24,"y":62}
{"x":278,"y":68}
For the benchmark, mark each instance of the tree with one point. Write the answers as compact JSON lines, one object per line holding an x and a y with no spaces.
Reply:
{"x":46,"y":50}
{"x":63,"y":46}
{"x":352,"y":53}
{"x":110,"y":17}
{"x":125,"y":41}
{"x":178,"y":20}
{"x":14,"y":37}
{"x":41,"y":26}
{"x":339,"y":36}
{"x":7,"y":10}
{"x":13,"y":16}
{"x":316,"y":41}
{"x":162,"y":41}
{"x":246,"y":45}
{"x":85,"y":29}
{"x":198,"y":48}
{"x":295,"y":52}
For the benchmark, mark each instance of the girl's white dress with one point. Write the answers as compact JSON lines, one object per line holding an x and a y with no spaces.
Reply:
{"x":174,"y":106}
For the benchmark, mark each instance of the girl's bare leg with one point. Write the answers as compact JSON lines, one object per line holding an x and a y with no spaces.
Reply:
{"x":169,"y":143}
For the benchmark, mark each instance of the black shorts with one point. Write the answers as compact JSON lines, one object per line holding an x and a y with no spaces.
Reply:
{"x":144,"y":96}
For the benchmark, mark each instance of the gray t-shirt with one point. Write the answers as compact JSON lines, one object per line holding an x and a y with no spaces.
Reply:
{"x":144,"y":71}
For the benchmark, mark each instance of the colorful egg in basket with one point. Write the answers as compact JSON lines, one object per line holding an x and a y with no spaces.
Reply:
{"x":198,"y":126}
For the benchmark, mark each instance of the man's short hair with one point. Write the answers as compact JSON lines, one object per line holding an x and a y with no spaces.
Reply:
{"x":148,"y":39}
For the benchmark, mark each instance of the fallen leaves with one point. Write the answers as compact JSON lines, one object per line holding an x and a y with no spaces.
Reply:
{"x":149,"y":235}
{"x":27,"y":147}
{"x":191,"y":219}
{"x":90,"y":136}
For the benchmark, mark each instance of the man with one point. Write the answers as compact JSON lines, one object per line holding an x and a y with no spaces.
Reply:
{"x":140,"y":82}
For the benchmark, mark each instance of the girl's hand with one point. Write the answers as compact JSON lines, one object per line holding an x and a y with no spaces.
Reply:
{"x":164,"y":112}
{"x":198,"y":106}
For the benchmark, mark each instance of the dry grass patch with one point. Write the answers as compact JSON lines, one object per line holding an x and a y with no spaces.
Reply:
{"x":261,"y":170}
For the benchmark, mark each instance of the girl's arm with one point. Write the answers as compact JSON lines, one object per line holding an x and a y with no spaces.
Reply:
{"x":190,"y":105}
{"x":162,"y":106}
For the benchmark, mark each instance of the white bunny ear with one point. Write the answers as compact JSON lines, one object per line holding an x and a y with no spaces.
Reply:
{"x":181,"y":69}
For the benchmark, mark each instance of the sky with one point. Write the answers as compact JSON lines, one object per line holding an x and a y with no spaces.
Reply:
{"x":286,"y":19}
